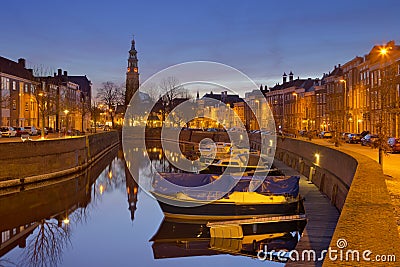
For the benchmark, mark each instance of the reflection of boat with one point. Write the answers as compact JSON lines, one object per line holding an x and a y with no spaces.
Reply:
{"x":184,"y":238}
{"x":236,"y":198}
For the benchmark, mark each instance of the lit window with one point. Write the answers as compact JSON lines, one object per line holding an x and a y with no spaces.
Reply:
{"x":14,"y":85}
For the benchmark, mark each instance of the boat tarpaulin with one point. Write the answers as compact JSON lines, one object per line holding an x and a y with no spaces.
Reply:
{"x":274,"y":185}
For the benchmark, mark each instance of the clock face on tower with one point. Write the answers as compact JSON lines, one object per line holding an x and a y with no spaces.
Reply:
{"x":135,"y":69}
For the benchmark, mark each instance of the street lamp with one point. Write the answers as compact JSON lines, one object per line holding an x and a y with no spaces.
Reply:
{"x":295,"y":110}
{"x":66,"y":118}
{"x":42,"y":109}
{"x":258,"y":117}
{"x":384,"y":53}
{"x":344,"y":99}
{"x":358,"y":124}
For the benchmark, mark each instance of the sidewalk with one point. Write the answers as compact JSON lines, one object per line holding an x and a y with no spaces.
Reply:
{"x":391,"y":169}
{"x":322,"y":218}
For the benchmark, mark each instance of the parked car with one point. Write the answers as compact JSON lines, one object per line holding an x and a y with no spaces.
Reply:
{"x":345,"y":136}
{"x":353,"y":138}
{"x":39,"y":131}
{"x":73,"y":132}
{"x":394,"y":144}
{"x":303,"y":132}
{"x":325,"y":134}
{"x":237,"y":130}
{"x":369,"y":140}
{"x":7,"y":131}
{"x":49,"y":129}
{"x":31,"y":130}
{"x":20,"y":131}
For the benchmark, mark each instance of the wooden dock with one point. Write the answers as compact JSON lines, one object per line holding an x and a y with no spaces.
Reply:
{"x":322,"y":218}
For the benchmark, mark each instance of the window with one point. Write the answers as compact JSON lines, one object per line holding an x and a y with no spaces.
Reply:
{"x":14,"y":85}
{"x":398,"y":91}
{"x":5,"y":83}
{"x":26,"y":106}
{"x":14,"y":104}
{"x":26,"y":88}
{"x":5,"y":236}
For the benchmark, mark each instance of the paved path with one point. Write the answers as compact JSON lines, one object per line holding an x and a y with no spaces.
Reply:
{"x":391,"y":168}
{"x":322,"y":218}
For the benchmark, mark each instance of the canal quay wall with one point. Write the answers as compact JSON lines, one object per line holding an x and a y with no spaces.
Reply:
{"x":28,"y":162}
{"x":355,"y":185}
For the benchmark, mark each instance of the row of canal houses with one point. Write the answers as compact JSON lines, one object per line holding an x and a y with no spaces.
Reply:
{"x":27,"y":98}
{"x":362,"y":94}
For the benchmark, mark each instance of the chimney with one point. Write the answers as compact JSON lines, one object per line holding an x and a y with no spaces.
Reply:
{"x":290,"y":76}
{"x":59,"y":72}
{"x":284,"y":77}
{"x":65,"y":73}
{"x":55,"y":74}
{"x":21,"y":61}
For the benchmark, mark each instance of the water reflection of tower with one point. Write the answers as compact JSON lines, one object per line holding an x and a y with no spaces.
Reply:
{"x":131,"y":190}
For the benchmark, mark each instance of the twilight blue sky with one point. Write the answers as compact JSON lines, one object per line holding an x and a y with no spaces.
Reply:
{"x":261,"y":38}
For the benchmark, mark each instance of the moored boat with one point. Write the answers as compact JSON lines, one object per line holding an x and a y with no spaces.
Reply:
{"x":247,"y":198}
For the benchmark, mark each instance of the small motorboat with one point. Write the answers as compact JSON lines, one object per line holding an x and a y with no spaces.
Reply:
{"x":251,"y":164}
{"x":210,"y":197}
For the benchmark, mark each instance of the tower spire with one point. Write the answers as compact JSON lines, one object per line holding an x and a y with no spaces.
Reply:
{"x":132,"y":74}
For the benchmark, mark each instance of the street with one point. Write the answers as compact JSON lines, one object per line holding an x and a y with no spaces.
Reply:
{"x":38,"y":137}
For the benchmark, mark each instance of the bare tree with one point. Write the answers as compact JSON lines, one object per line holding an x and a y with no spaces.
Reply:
{"x":5,"y":100}
{"x":110,"y":95}
{"x":45,"y":248}
{"x":170,"y":90}
{"x":153,"y":91}
{"x":42,"y":71}
{"x":46,"y":99}
{"x":95,"y":113}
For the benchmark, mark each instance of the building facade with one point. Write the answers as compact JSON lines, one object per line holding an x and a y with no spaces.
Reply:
{"x":17,"y":88}
{"x":361,"y":95}
{"x":62,"y":104}
{"x":293,"y":104}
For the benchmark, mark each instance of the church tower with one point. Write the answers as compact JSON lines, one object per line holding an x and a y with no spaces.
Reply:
{"x":132,"y":74}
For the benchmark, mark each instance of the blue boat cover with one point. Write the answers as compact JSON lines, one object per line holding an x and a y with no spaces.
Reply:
{"x":271,"y":185}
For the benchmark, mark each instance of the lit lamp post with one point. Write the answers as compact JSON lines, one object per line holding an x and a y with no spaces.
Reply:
{"x":66,"y":118}
{"x":344,"y":102}
{"x":42,"y":108}
{"x":295,"y":110}
{"x":384,"y":53}
{"x":258,"y":115}
{"x":358,"y":124}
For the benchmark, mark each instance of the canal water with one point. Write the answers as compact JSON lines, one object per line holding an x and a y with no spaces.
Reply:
{"x":102,"y":218}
